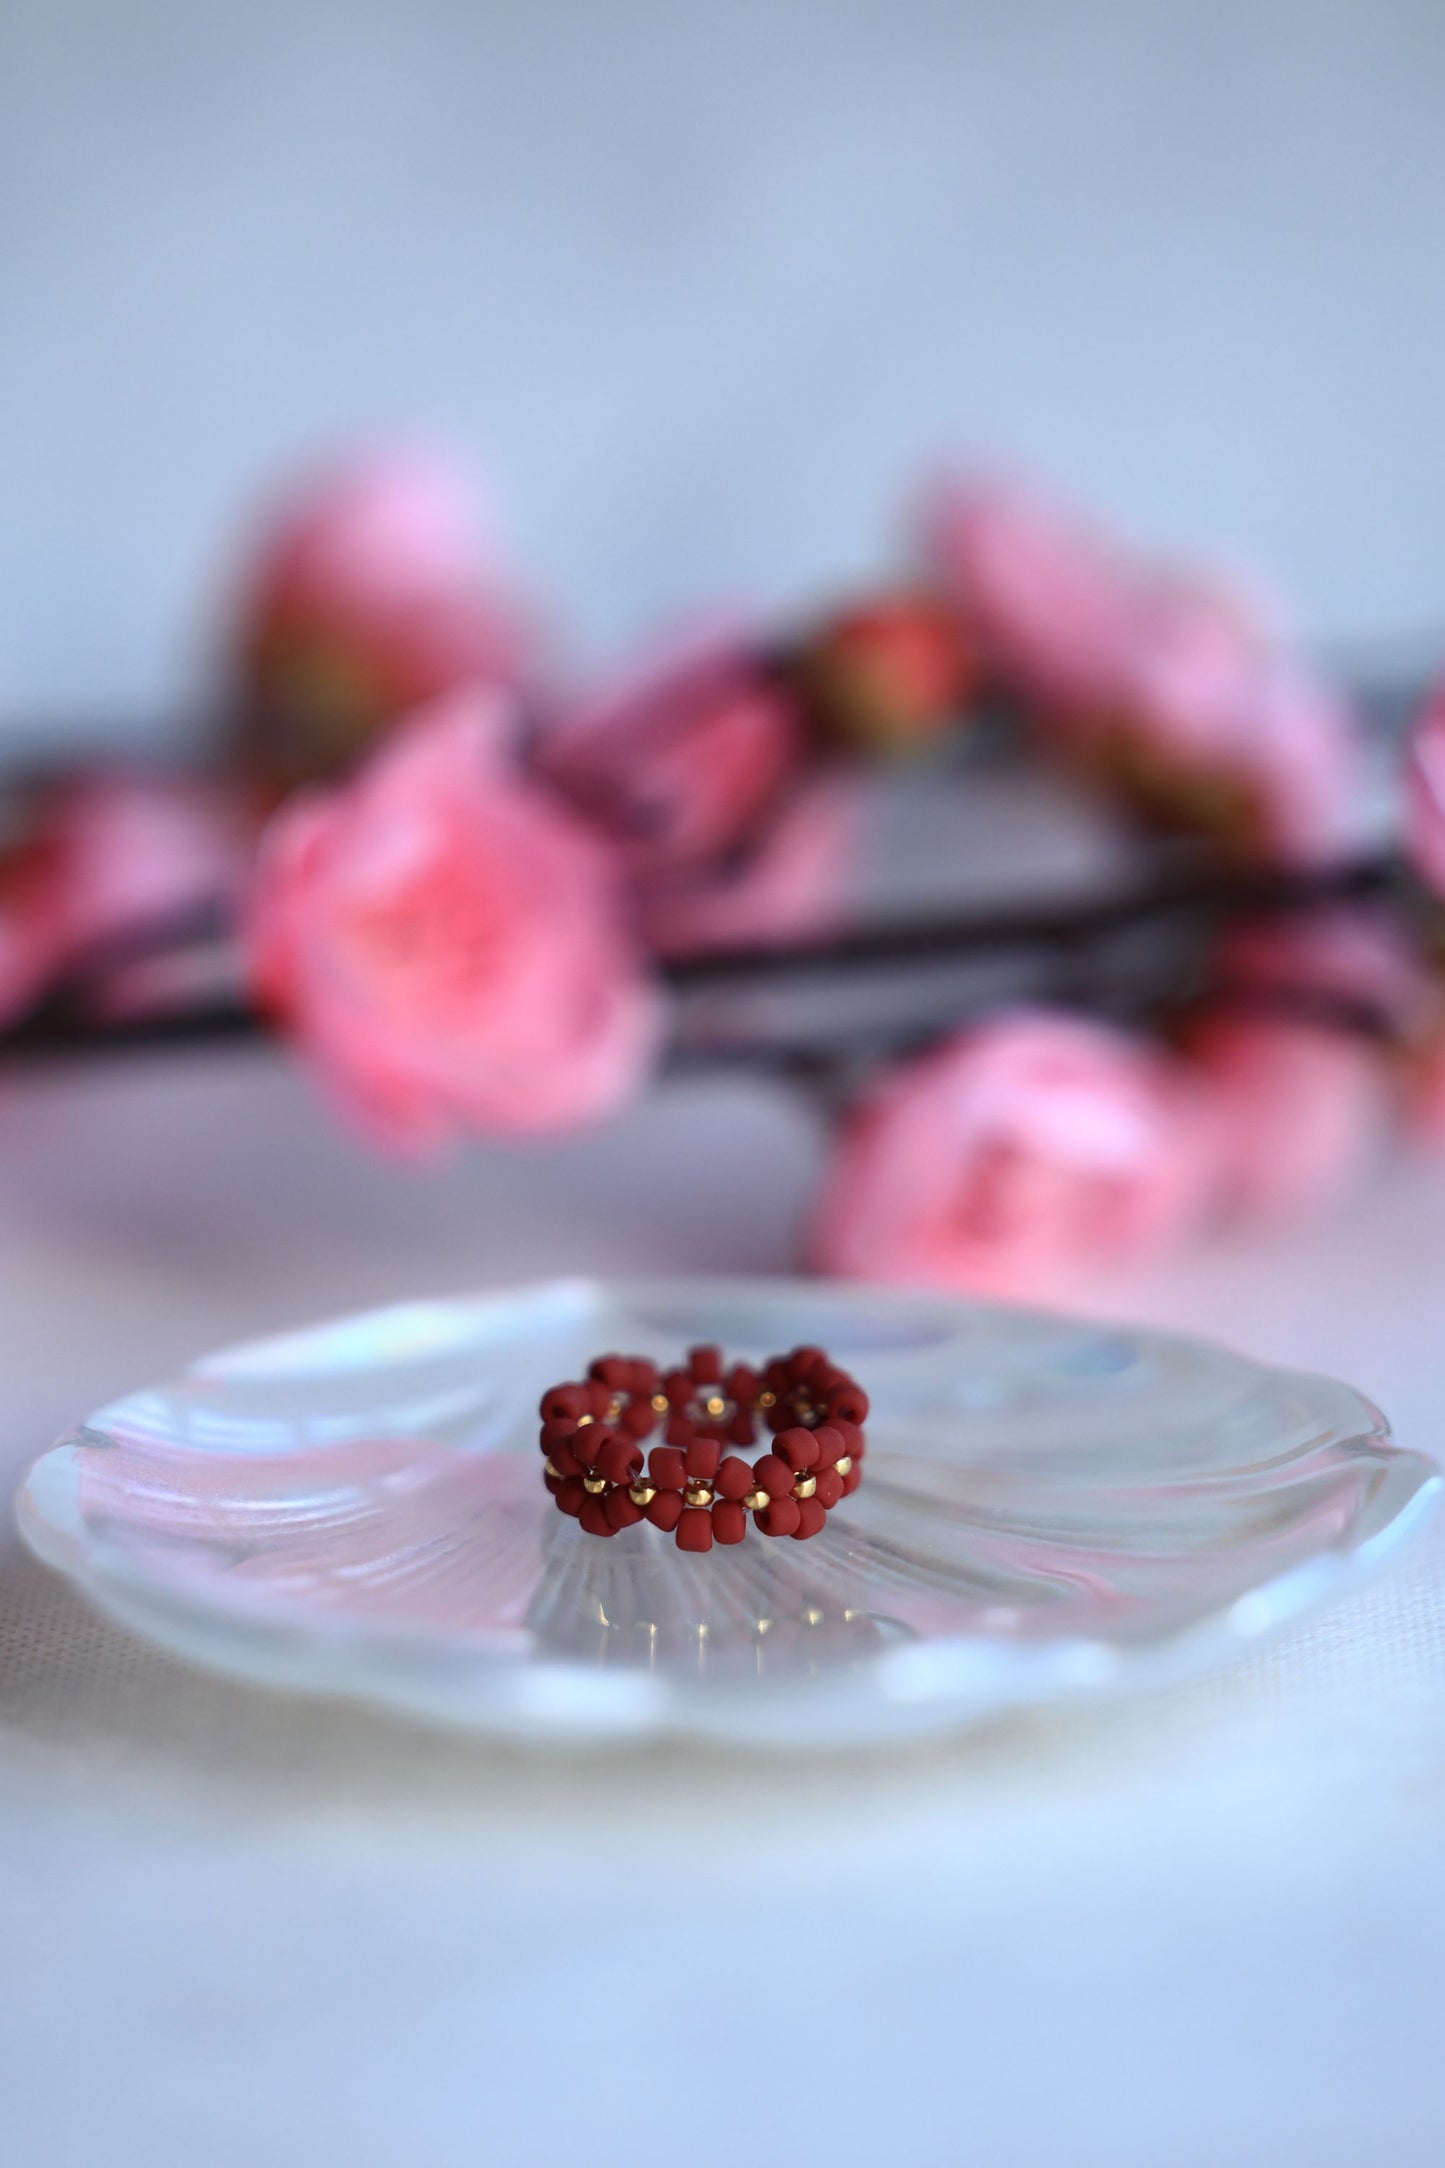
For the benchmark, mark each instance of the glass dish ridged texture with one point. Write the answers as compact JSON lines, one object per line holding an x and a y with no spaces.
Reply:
{"x":1051,"y":1508}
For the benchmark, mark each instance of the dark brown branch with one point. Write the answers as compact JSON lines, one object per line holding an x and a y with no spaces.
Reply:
{"x":1073,"y":924}
{"x":67,"y":1023}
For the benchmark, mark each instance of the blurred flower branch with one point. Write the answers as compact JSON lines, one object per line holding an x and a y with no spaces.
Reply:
{"x":480,"y":896}
{"x":1186,"y":910}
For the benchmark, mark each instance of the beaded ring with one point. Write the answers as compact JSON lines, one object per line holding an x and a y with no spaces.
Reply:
{"x":592,"y":1432}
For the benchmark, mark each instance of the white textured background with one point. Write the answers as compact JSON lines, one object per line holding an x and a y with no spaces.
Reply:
{"x":703,"y":286}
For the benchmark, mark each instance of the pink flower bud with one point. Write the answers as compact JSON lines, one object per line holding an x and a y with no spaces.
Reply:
{"x":372,"y":592}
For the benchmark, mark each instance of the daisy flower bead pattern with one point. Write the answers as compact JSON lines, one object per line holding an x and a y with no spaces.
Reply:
{"x":690,"y":1485}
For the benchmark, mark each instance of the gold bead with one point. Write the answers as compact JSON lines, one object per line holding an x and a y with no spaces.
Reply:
{"x":756,"y":1500}
{"x":660,"y":1403}
{"x":698,"y":1494}
{"x":715,"y":1404}
{"x":767,"y":1400}
{"x":583,"y":1419}
{"x":805,"y":1486}
{"x":596,"y":1484}
{"x":845,"y":1465}
{"x":548,"y":1469}
{"x":642,"y":1494}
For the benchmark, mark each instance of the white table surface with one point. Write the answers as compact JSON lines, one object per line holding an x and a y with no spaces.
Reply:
{"x":239,"y":1930}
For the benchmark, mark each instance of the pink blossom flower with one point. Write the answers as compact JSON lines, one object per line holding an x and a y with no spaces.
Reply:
{"x":1187,"y":668}
{"x":1015,"y":1158}
{"x":108,"y":855}
{"x":1425,"y":795}
{"x":1263,"y":759}
{"x":1299,"y":1108}
{"x":1300,"y":1093}
{"x":371,"y":593}
{"x":1297,"y":759}
{"x":1178,"y":688}
{"x":696,"y":765}
{"x":444,"y":941}
{"x":131,"y":849}
{"x":1050,"y":602}
{"x":681,"y":760}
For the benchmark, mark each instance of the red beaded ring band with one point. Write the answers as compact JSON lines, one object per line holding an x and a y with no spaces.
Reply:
{"x":592,"y":1433}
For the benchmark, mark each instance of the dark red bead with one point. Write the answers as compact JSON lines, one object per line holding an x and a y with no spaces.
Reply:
{"x":702,"y":1459}
{"x":570,"y":1495}
{"x":780,"y":1518}
{"x":563,"y":1403}
{"x":811,"y":1517}
{"x":611,"y":1370}
{"x":781,"y":1416}
{"x":665,"y":1510}
{"x":589,"y":1439}
{"x":694,"y":1529}
{"x":743,"y":1384}
{"x":642,"y":1377}
{"x":797,"y":1447}
{"x":805,"y":1361}
{"x":705,"y":1363}
{"x":667,"y":1467}
{"x":593,"y":1516}
{"x":619,"y":1457}
{"x":553,"y":1482}
{"x":585,"y":1442}
{"x":564,"y":1460}
{"x":830,"y":1445}
{"x":734,"y":1478}
{"x":851,"y":1435}
{"x":679,"y":1430}
{"x":638,"y":1418}
{"x":773,"y":1475}
{"x":729,"y":1521}
{"x":620,"y":1510}
{"x":599,"y":1399}
{"x":850,"y":1401}
{"x":679,"y":1388}
{"x":830,"y":1488}
{"x":742,"y":1430}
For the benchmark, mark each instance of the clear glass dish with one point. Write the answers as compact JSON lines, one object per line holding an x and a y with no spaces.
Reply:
{"x":1051,"y":1509}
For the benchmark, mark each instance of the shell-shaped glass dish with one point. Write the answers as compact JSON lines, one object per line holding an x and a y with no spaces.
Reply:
{"x":1051,"y":1509}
